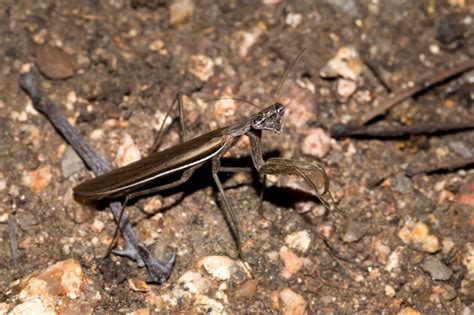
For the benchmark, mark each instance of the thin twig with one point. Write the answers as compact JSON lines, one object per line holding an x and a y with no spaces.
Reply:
{"x":377,"y":74}
{"x":12,"y":236}
{"x":447,"y":165}
{"x":158,"y":271}
{"x":338,"y":131}
{"x":419,"y":86}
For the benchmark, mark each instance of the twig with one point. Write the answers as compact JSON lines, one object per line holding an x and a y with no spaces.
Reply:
{"x":339,"y":131}
{"x":447,"y":165}
{"x":159,"y":271}
{"x":419,"y":86}
{"x":378,"y":75}
{"x":12,"y":237}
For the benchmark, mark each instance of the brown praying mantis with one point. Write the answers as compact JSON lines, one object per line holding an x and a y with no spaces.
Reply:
{"x":185,"y":158}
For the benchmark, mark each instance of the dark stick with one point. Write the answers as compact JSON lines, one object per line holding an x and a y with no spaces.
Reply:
{"x":402,"y":95}
{"x":29,"y":83}
{"x":377,"y":75}
{"x":447,"y":165}
{"x":12,"y":236}
{"x":338,"y":131}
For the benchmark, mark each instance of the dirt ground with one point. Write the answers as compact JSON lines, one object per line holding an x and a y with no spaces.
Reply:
{"x":395,"y":243}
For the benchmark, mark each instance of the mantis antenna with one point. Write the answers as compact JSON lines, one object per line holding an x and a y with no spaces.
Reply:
{"x":285,"y":76}
{"x":283,"y":80}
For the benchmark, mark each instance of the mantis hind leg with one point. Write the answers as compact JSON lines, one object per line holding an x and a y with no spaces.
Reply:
{"x":121,"y":223}
{"x":184,"y":177}
{"x":231,"y":218}
{"x":182,"y":128}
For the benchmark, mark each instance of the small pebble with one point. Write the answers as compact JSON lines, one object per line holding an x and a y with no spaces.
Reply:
{"x":468,"y":258}
{"x":436,"y":269}
{"x":54,"y":62}
{"x":3,"y":216}
{"x":293,"y":19}
{"x":408,"y":311}
{"x":201,"y":67}
{"x":293,"y":303}
{"x":218,"y":266}
{"x":39,"y":179}
{"x":4,"y":307}
{"x":194,"y":283}
{"x":461,"y":149}
{"x":466,"y":199}
{"x":71,"y":99}
{"x":224,"y":111}
{"x":299,"y":113}
{"x":3,"y":184}
{"x":345,"y":88}
{"x":354,"y":232}
{"x":246,"y":290}
{"x":158,"y":118}
{"x":242,"y":41}
{"x":316,"y":143}
{"x":380,"y":250}
{"x":459,"y":3}
{"x":434,"y":49}
{"x":416,"y":233}
{"x":448,"y":245}
{"x":181,"y":11}
{"x":394,"y":259}
{"x":204,"y":304}
{"x":403,"y":184}
{"x":96,"y":134}
{"x":291,"y":263}
{"x":445,"y":196}
{"x":31,"y":135}
{"x":25,"y":243}
{"x":275,"y":300}
{"x":80,"y":213}
{"x":156,"y":45}
{"x":145,"y":229}
{"x":56,"y":289}
{"x":273,"y":255}
{"x":363,"y":97}
{"x":346,"y":64}
{"x":98,"y":226}
{"x":447,"y":292}
{"x":127,"y":152}
{"x":299,"y":240}
{"x":390,"y":291}
{"x":71,"y":162}
{"x":138,"y":285}
{"x":153,"y":204}
{"x":349,"y":7}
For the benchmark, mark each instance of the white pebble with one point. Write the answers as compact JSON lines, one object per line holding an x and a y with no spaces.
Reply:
{"x":201,"y":67}
{"x":293,"y":19}
{"x":218,"y":266}
{"x":346,"y":64}
{"x":128,"y":152}
{"x":299,"y":240}
{"x":317,"y":143}
{"x":345,"y":88}
{"x":293,"y":303}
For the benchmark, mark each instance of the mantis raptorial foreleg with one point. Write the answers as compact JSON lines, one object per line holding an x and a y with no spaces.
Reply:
{"x":314,"y":175}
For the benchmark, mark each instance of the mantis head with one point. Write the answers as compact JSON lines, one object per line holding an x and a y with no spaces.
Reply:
{"x":270,"y":118}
